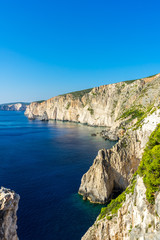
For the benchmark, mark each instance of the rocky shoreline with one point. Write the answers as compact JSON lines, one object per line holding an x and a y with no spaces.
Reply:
{"x":107,"y":135}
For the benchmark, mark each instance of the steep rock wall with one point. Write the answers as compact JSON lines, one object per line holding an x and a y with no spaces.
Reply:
{"x":114,"y":168}
{"x":8,"y":209}
{"x":135,"y":219}
{"x":102,"y":106}
{"x":111,"y":169}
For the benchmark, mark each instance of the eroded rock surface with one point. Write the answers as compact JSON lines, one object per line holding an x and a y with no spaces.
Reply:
{"x":111,"y":169}
{"x":102,"y":106}
{"x":8,"y":218}
{"x":109,"y":135}
{"x":114,"y":168}
{"x":97,"y":184}
{"x":135,"y":220}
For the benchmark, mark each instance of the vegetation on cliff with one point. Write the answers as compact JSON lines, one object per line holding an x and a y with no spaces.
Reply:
{"x":132,"y":113}
{"x":40,"y":101}
{"x":131,"y":81}
{"x":138,"y":112}
{"x":115,"y":204}
{"x":149,"y":167}
{"x":78,"y":94}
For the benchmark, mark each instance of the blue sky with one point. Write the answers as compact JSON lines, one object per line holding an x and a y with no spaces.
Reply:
{"x":53,"y":47}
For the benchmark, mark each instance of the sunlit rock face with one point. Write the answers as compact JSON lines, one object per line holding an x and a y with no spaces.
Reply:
{"x":111,"y":169}
{"x":117,"y":106}
{"x":8,"y":214}
{"x":135,"y":220}
{"x":97,"y":184}
{"x":101,"y":106}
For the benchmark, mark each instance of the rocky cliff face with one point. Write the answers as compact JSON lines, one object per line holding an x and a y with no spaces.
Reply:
{"x":131,"y":108}
{"x":135,"y":220}
{"x":114,"y":168}
{"x":101,"y":106}
{"x":8,"y":218}
{"x":13,"y":107}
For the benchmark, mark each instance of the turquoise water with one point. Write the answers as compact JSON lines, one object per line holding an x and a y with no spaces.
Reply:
{"x":44,"y":163}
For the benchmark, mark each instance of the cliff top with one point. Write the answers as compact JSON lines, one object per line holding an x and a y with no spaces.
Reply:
{"x":81,"y":93}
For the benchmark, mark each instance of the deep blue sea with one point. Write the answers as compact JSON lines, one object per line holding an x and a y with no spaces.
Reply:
{"x":44,"y":162}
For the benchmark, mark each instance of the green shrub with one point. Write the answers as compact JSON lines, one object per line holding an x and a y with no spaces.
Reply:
{"x":149,"y":166}
{"x":150,"y":110}
{"x":133,"y":113}
{"x":91,"y":111}
{"x":130,"y":81}
{"x":78,"y":94}
{"x":109,"y":217}
{"x":115,"y":204}
{"x":68,"y":105}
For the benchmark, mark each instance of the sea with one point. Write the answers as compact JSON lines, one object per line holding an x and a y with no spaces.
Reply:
{"x":43,"y":162}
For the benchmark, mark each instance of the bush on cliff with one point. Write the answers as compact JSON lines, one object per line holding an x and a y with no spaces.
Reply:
{"x":79,"y":94}
{"x":149,"y":167}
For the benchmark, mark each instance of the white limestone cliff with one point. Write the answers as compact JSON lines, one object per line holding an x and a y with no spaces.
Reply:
{"x":8,"y":214}
{"x":135,"y":220}
{"x":13,"y":107}
{"x":101,"y":106}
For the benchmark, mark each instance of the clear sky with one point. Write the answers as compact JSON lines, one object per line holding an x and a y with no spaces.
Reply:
{"x":52,"y":47}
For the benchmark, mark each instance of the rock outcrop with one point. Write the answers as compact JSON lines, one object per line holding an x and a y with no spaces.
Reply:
{"x":101,"y":106}
{"x":97,"y":184}
{"x":114,"y":168}
{"x":111,"y":169}
{"x":134,"y":220}
{"x":109,"y":135}
{"x":13,"y":107}
{"x":8,"y":218}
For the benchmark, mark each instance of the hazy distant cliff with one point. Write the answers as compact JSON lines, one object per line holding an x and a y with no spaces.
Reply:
{"x":13,"y":107}
{"x":102,"y":105}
